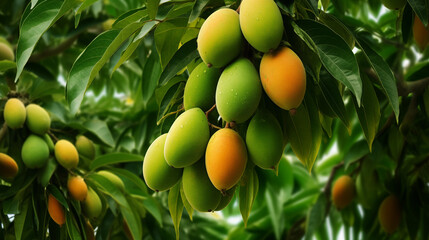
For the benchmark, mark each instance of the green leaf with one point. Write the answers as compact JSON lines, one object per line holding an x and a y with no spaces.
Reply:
{"x":385,"y":75}
{"x":152,"y":7}
{"x":85,"y":5}
{"x":91,"y":60}
{"x":175,"y":205}
{"x":33,"y":25}
{"x":316,"y":216}
{"x":421,"y":8}
{"x":133,"y":221}
{"x":109,"y":188}
{"x":113,"y":158}
{"x":338,"y":27}
{"x":151,"y":72}
{"x":6,"y":65}
{"x":19,"y":220}
{"x":72,"y":227}
{"x":101,"y":130}
{"x":197,"y":9}
{"x":47,"y":171}
{"x":185,"y":202}
{"x":357,"y":151}
{"x":138,"y":181}
{"x":368,"y":112}
{"x":127,"y":54}
{"x":145,"y":30}
{"x":248,"y":191}
{"x":335,"y":55}
{"x":129,"y":17}
{"x":52,"y":189}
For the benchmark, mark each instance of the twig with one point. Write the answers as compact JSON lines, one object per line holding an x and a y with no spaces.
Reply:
{"x":54,"y":51}
{"x":169,"y":114}
{"x":209,"y":111}
{"x":3,"y":131}
{"x":419,"y":165}
{"x":53,"y":136}
{"x":214,"y":126}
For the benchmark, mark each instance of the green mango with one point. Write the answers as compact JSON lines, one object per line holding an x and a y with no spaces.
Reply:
{"x":187,"y":139}
{"x":85,"y":147}
{"x":92,"y":206}
{"x":112,"y":178}
{"x":200,"y":88}
{"x":198,"y":188}
{"x":238,"y":91}
{"x":264,"y":140}
{"x":225,"y":199}
{"x":38,"y":120}
{"x":34,"y":152}
{"x":6,"y":52}
{"x":14,"y":113}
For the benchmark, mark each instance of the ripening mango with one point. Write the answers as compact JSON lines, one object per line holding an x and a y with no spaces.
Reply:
{"x":219,"y":39}
{"x":261,"y":23}
{"x":226,"y":158}
{"x":187,"y":139}
{"x":8,"y":167}
{"x":198,"y":189}
{"x":113,"y":178}
{"x":389,"y":214}
{"x":158,"y":175}
{"x":34,"y":152}
{"x":264,"y":140}
{"x":283,"y":78}
{"x":420,"y":33}
{"x":85,"y":147}
{"x":66,"y":154}
{"x":343,"y":191}
{"x":394,"y":4}
{"x":238,"y":91}
{"x":92,"y":206}
{"x":225,"y":199}
{"x":14,"y":113}
{"x":201,"y":87}
{"x":6,"y":52}
{"x":38,"y":120}
{"x":56,"y":210}
{"x":77,"y":188}
{"x":49,"y":142}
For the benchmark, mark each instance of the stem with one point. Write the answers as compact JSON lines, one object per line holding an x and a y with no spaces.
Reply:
{"x":169,"y":114}
{"x":55,"y":50}
{"x":209,"y":111}
{"x":3,"y":131}
{"x":53,"y":136}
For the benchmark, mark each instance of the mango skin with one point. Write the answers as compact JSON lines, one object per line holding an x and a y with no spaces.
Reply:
{"x":92,"y":206}
{"x":56,"y":210}
{"x":394,"y":4}
{"x":77,"y":188}
{"x":261,"y":23}
{"x":113,"y":178}
{"x":343,"y":192}
{"x":200,"y":88}
{"x":389,"y":214}
{"x":219,"y":39}
{"x":420,"y":33}
{"x":14,"y":113}
{"x":66,"y":154}
{"x":238,"y":91}
{"x":34,"y":152}
{"x":198,"y":189}
{"x":158,"y":175}
{"x":187,"y":139}
{"x":85,"y":147}
{"x":8,"y":167}
{"x":226,"y":158}
{"x":225,"y":199}
{"x":283,"y":78}
{"x":38,"y":120}
{"x":264,"y":140}
{"x":6,"y":53}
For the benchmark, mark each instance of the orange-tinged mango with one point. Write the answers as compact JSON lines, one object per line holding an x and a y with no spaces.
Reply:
{"x":420,"y":33}
{"x":56,"y":210}
{"x":77,"y":188}
{"x":66,"y":154}
{"x":14,"y":113}
{"x":343,"y":191}
{"x":389,"y":214}
{"x":8,"y":167}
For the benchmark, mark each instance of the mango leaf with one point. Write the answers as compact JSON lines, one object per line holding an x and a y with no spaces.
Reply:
{"x":85,"y":5}
{"x":175,"y":205}
{"x":47,"y":171}
{"x":72,"y":227}
{"x":145,"y":30}
{"x":385,"y":75}
{"x":34,"y":24}
{"x":357,"y":151}
{"x":248,"y":191}
{"x":129,"y":17}
{"x":316,"y":216}
{"x":101,"y":130}
{"x":138,"y":181}
{"x":52,"y":189}
{"x":20,"y":219}
{"x":133,"y":221}
{"x":113,"y":158}
{"x":335,"y":55}
{"x":152,"y":7}
{"x":126,"y":54}
{"x":338,"y":27}
{"x":197,"y":9}
{"x":185,"y":202}
{"x":109,"y":188}
{"x":151,"y":72}
{"x":91,"y":60}
{"x":421,"y":8}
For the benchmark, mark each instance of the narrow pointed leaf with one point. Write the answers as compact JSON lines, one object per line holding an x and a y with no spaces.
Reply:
{"x":175,"y":205}
{"x":248,"y":191}
{"x":113,"y":158}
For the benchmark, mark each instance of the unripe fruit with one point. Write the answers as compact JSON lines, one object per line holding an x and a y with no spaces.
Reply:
{"x":394,"y":4}
{"x":219,"y":39}
{"x":6,"y":53}
{"x":77,"y":188}
{"x":34,"y":152}
{"x":226,"y":158}
{"x":158,"y":175}
{"x":225,"y":199}
{"x":38,"y":120}
{"x":107,"y":25}
{"x":8,"y":167}
{"x":85,"y":147}
{"x":66,"y":154}
{"x":187,"y":139}
{"x":238,"y":91}
{"x":283,"y":78}
{"x":49,"y":142}
{"x":92,"y":204}
{"x":113,"y":178}
{"x":261,"y":23}
{"x":420,"y":33}
{"x":201,"y":87}
{"x":389,"y":214}
{"x":264,"y":140}
{"x":343,"y":192}
{"x":198,"y":189}
{"x":14,"y":113}
{"x":56,"y":211}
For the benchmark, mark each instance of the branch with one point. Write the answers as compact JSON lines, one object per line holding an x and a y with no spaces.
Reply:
{"x":3,"y":131}
{"x":169,"y":114}
{"x":52,"y":136}
{"x":54,"y":51}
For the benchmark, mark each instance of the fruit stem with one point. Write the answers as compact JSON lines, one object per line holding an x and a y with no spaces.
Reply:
{"x":52,"y":136}
{"x":292,"y":112}
{"x":169,"y":114}
{"x":210,"y":110}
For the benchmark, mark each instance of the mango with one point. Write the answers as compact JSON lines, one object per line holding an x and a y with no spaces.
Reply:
{"x":56,"y":210}
{"x":367,"y":185}
{"x":34,"y":152}
{"x":6,"y":52}
{"x":92,"y":206}
{"x":264,"y":140}
{"x":14,"y":113}
{"x":389,"y":214}
{"x":66,"y":154}
{"x":158,"y":175}
{"x":77,"y":188}
{"x":238,"y":91}
{"x":85,"y":147}
{"x":48,"y":141}
{"x":117,"y":181}
{"x":201,"y":87}
{"x":198,"y":189}
{"x":8,"y":167}
{"x":283,"y":78}
{"x":420,"y":33}
{"x":38,"y":120}
{"x":394,"y":4}
{"x":343,"y":192}
{"x":261,"y":23}
{"x":187,"y":139}
{"x":219,"y":39}
{"x":225,"y":199}
{"x":226,"y":158}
